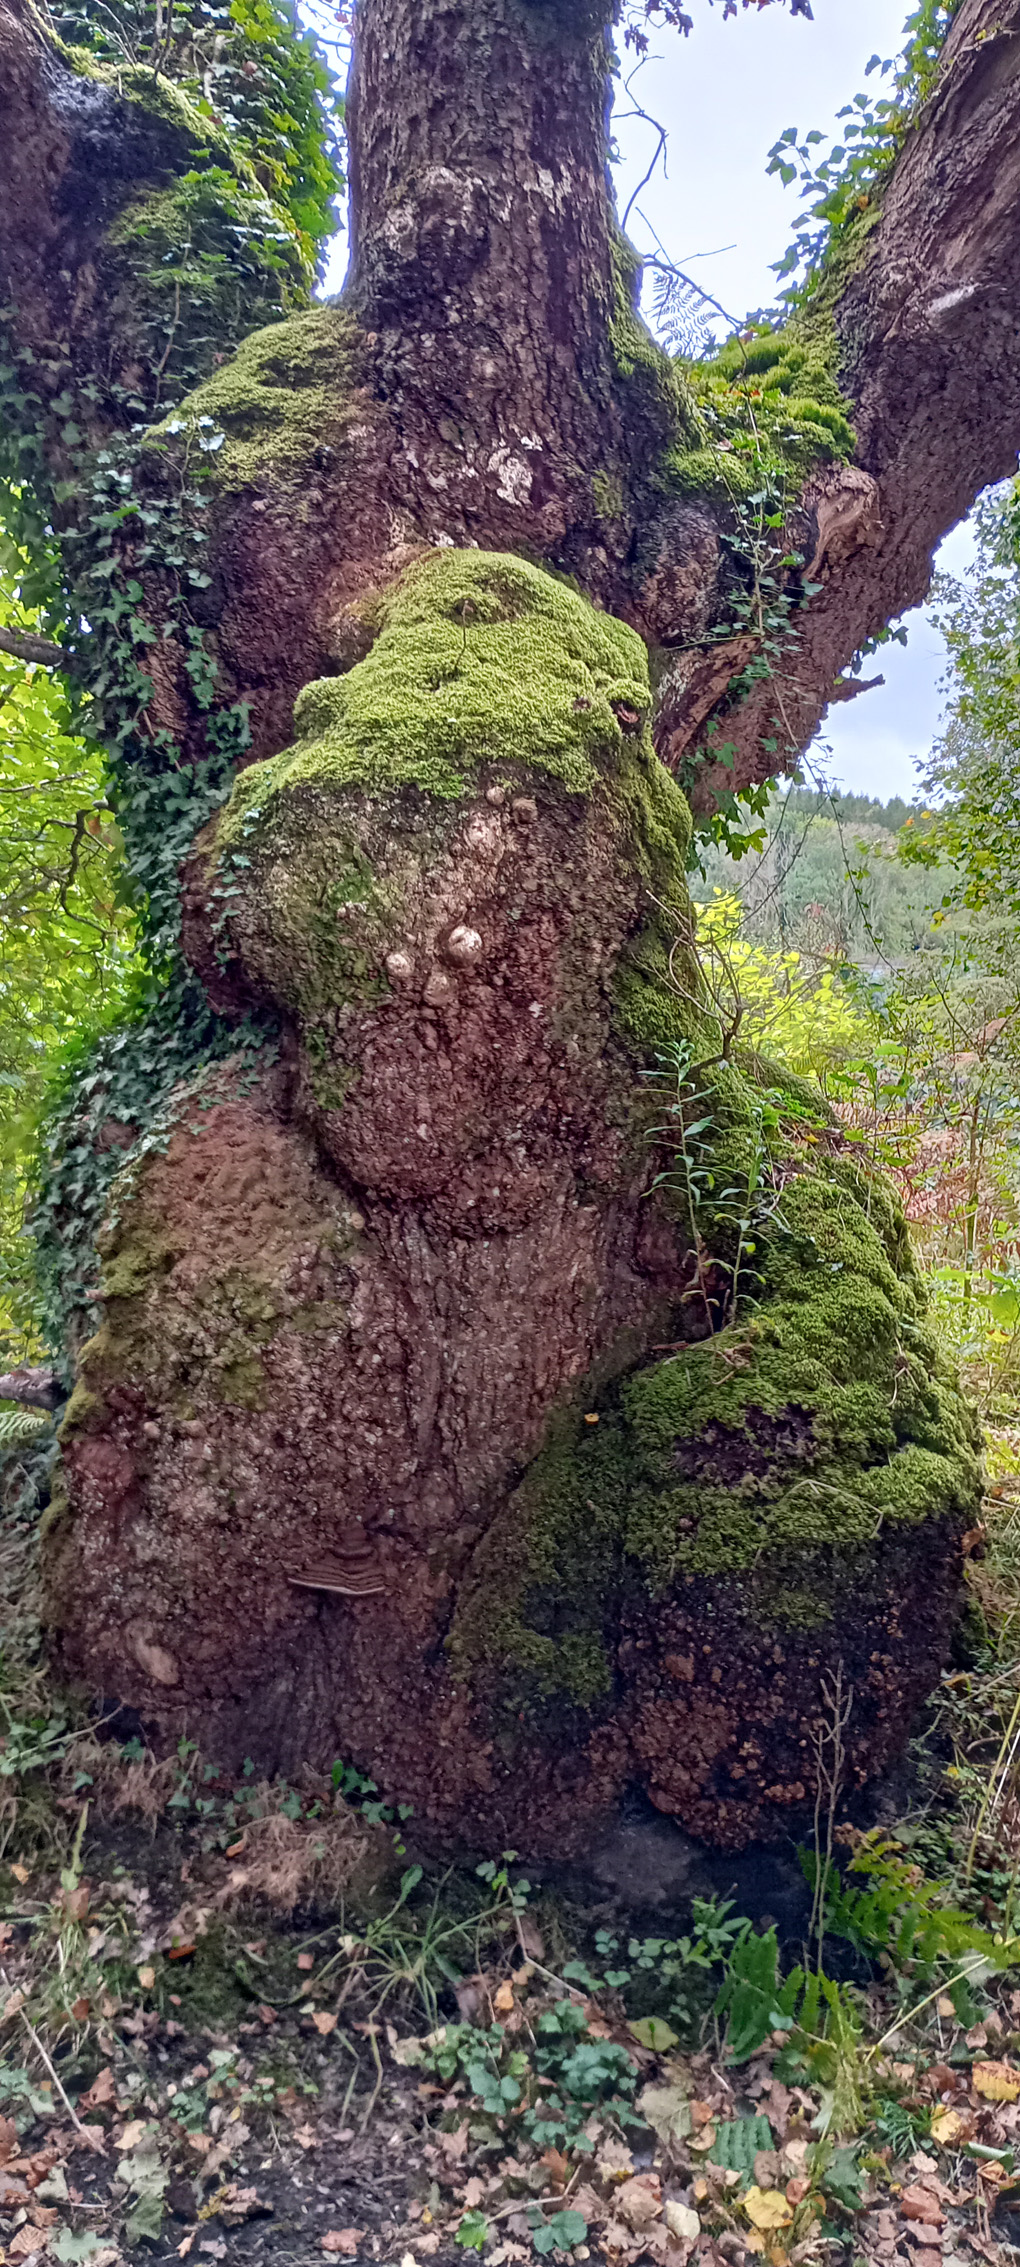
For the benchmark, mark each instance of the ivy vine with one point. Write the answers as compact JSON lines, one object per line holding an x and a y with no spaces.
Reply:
{"x":116,"y":545}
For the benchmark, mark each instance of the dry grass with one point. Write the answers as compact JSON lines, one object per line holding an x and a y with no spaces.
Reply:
{"x":290,"y":1861}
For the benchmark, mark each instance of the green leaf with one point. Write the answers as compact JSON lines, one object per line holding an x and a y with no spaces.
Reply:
{"x":473,"y":2231}
{"x":651,"y":2031}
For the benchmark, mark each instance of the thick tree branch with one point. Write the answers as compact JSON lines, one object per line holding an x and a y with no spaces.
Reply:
{"x":929,"y":326}
{"x":33,"y":1388}
{"x":22,"y":646}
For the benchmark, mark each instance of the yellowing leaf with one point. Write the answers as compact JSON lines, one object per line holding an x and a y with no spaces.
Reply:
{"x":768,"y":2208}
{"x":946,"y":2126}
{"x":652,"y":2032}
{"x":146,"y":1977}
{"x":996,"y":2081}
{"x":504,"y":2000}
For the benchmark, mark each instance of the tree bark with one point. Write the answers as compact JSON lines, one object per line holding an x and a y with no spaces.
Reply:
{"x":433,"y":1416}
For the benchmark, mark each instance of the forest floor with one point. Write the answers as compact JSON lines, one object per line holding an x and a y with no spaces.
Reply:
{"x":242,"y":2024}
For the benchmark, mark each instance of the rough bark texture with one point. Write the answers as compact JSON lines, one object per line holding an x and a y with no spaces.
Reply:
{"x":416,"y":1426}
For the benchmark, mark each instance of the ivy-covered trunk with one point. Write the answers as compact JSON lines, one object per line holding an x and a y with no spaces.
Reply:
{"x":483,"y":1371}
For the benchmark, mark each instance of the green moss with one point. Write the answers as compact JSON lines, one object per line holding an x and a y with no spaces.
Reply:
{"x":771,"y":1456}
{"x":241,"y":1382}
{"x":84,"y":1413}
{"x":659,"y":407}
{"x":480,"y":659}
{"x":286,"y":395}
{"x":767,"y":412}
{"x":158,"y":95}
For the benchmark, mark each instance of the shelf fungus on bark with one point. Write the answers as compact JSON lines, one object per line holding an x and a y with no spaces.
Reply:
{"x":354,"y":1574}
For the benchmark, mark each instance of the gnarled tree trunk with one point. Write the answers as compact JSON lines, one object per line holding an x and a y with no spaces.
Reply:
{"x":435,"y":1411}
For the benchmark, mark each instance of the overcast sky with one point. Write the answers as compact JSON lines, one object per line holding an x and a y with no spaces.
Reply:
{"x":725,"y":95}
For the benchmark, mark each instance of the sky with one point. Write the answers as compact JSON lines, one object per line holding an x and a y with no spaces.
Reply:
{"x":725,"y":95}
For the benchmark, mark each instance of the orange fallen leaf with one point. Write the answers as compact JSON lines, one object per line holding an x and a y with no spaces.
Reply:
{"x":181,"y":1951}
{"x":234,"y":1851}
{"x":796,"y":2190}
{"x":101,"y":2090}
{"x":504,"y":1999}
{"x":996,"y":2081}
{"x":324,"y":2024}
{"x":342,"y":2242}
{"x":917,"y":2203}
{"x":80,"y":2009}
{"x":22,"y":1874}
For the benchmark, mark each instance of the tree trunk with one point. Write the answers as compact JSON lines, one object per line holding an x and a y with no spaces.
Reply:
{"x":440,"y":1413}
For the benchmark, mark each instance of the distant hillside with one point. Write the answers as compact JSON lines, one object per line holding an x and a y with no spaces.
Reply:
{"x":828,"y":880}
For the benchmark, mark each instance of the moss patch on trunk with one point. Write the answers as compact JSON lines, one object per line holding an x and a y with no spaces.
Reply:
{"x":771,"y":1456}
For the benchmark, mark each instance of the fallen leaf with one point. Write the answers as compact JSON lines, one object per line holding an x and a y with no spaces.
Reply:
{"x":80,"y":2009}
{"x":796,"y":2190}
{"x":305,"y":1960}
{"x":639,"y":2201}
{"x":324,"y":2024}
{"x":504,"y":1999}
{"x":146,"y":1977}
{"x":996,"y":2081}
{"x":454,"y":2145}
{"x":21,"y":1874}
{"x":614,"y":2160}
{"x":474,"y":2192}
{"x":947,"y":2126}
{"x":682,"y":2223}
{"x":8,"y":2140}
{"x":234,"y":1851}
{"x":667,"y":2110}
{"x":132,"y":2134}
{"x":767,"y":2208}
{"x":306,"y":2137}
{"x":917,"y":2203}
{"x":945,"y":2008}
{"x":181,"y":1951}
{"x":342,"y":2242}
{"x":25,"y":2244}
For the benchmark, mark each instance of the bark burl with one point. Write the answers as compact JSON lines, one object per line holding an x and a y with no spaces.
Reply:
{"x":438,"y":1413}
